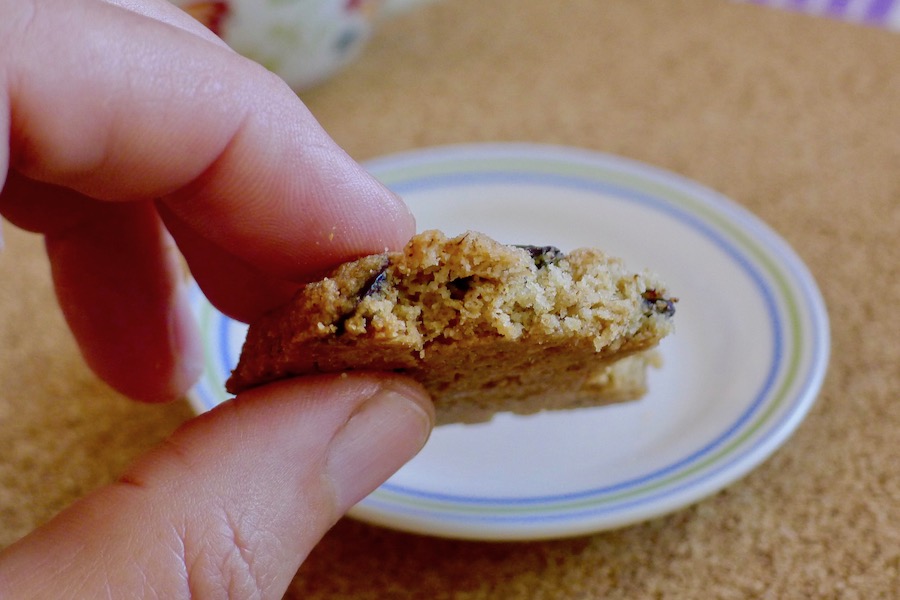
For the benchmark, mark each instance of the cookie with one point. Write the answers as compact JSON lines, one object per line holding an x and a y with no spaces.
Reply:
{"x":485,"y":327}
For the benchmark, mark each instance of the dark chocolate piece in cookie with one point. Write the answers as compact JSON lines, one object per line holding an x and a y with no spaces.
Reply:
{"x":543,"y":255}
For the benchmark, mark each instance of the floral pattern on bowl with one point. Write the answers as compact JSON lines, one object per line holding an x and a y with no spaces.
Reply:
{"x":304,"y":41}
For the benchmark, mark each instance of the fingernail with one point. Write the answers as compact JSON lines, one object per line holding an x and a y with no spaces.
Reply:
{"x":386,"y":432}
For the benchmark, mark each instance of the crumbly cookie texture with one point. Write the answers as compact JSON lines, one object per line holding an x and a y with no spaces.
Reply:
{"x":484,"y":326}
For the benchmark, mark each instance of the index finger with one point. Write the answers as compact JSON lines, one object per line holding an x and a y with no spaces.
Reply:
{"x":118,"y":109}
{"x":230,"y":149}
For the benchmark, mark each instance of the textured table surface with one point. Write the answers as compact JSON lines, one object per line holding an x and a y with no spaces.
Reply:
{"x":795,"y":117}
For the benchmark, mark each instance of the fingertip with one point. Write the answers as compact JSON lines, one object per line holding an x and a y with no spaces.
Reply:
{"x":120,"y":286}
{"x":384,"y":433}
{"x":175,"y":371}
{"x":405,"y":224}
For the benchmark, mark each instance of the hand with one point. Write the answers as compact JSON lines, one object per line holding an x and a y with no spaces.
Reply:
{"x":231,"y":505}
{"x":127,"y":114}
{"x":131,"y":126}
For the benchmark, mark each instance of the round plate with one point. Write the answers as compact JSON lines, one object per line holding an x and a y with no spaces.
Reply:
{"x":741,"y":371}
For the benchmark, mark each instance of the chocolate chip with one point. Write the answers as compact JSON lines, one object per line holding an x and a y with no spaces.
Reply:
{"x":543,"y":255}
{"x":654,"y":302}
{"x":459,"y":287}
{"x":375,"y":283}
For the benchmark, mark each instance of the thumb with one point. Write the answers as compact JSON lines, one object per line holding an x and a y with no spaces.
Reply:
{"x":233,"y":502}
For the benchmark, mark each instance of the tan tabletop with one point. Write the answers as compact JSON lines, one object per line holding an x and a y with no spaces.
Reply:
{"x":796,"y":118}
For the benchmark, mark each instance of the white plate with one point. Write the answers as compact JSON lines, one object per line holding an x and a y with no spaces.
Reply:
{"x":742,"y":370}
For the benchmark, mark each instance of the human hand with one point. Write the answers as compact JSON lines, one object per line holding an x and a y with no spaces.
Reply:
{"x":131,"y":126}
{"x":123,"y":115}
{"x":232,"y":504}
